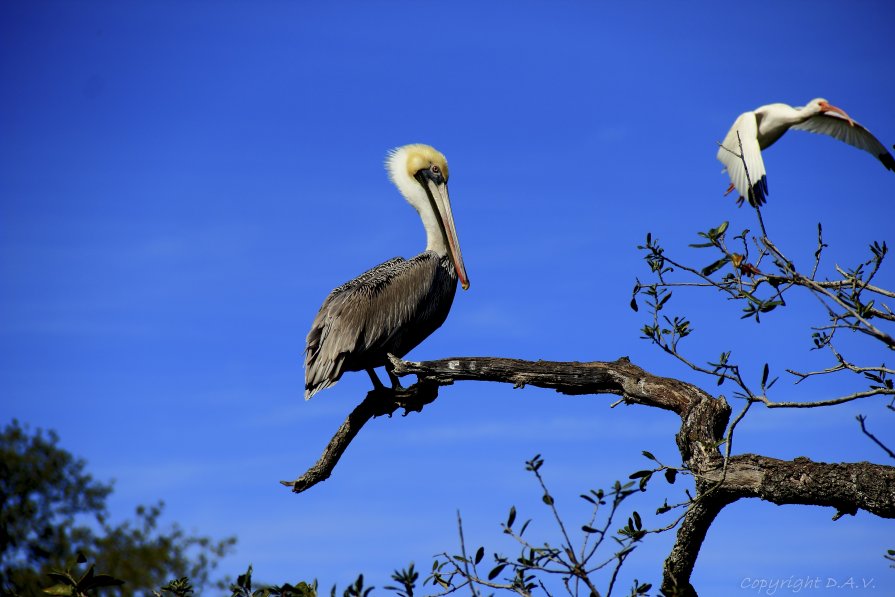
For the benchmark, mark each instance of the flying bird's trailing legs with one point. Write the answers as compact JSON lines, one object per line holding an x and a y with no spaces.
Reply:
{"x":757,"y":130}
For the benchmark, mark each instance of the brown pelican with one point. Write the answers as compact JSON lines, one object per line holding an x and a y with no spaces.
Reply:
{"x":396,"y":305}
{"x":762,"y":127}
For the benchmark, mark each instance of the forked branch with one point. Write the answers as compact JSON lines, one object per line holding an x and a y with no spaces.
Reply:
{"x":376,"y":404}
{"x":720,"y":478}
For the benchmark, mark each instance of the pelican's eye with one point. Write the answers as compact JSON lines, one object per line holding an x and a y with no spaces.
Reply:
{"x":432,"y":173}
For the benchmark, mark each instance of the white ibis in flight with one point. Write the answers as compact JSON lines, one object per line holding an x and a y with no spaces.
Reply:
{"x":760,"y":128}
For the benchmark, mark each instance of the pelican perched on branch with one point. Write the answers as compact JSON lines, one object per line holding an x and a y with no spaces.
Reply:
{"x":396,"y":305}
{"x":760,"y":128}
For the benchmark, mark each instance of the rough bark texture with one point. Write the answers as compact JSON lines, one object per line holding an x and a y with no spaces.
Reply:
{"x":376,"y":404}
{"x":847,"y":487}
{"x":690,"y":535}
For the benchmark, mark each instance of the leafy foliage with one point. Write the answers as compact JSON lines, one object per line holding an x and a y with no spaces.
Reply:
{"x":751,"y":270}
{"x":51,"y":509}
{"x":67,"y":583}
{"x":47,"y":504}
{"x":760,"y":277}
{"x":243,"y":588}
{"x":574,"y":561}
{"x":407,"y":578}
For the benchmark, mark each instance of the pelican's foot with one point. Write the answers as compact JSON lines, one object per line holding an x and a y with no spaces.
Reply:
{"x":385,"y":401}
{"x":396,"y":383}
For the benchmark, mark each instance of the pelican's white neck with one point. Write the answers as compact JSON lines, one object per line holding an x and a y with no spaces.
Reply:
{"x":416,"y":195}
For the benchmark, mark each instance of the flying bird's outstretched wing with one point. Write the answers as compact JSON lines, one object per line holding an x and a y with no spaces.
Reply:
{"x":848,"y":131}
{"x":729,"y":155}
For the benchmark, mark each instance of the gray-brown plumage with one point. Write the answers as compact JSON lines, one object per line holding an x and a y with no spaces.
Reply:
{"x":394,"y":306}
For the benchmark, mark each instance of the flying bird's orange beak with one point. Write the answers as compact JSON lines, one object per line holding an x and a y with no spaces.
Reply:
{"x":826,"y":107}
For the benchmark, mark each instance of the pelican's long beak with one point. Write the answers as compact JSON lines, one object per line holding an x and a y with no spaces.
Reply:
{"x":826,"y":107}
{"x":443,"y":204}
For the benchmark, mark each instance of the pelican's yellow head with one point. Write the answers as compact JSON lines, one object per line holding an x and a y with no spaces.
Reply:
{"x":421,"y":173}
{"x":421,"y":157}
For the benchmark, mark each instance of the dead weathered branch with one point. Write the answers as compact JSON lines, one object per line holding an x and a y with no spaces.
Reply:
{"x":621,"y":377}
{"x":847,"y":487}
{"x":690,"y":536}
{"x":376,"y":404}
{"x":720,"y":478}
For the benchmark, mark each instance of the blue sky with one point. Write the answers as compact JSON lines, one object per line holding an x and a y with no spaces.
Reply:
{"x":181,"y":185}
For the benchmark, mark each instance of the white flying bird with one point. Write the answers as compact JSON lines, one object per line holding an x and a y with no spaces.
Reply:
{"x":760,"y":128}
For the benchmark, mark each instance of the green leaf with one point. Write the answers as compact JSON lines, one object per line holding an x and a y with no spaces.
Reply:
{"x":86,"y":578}
{"x":479,"y":555}
{"x":663,"y":301}
{"x":670,"y":475}
{"x":769,"y":306}
{"x":512,"y":517}
{"x":649,"y":455}
{"x":495,"y":571}
{"x":701,"y":245}
{"x":712,"y":268}
{"x":547,"y":499}
{"x":59,"y":589}
{"x":61,"y":578}
{"x":643,"y":482}
{"x":589,"y":529}
{"x":106,"y":580}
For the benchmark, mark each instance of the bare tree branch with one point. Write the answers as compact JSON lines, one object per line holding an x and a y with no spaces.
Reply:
{"x":620,"y":377}
{"x":720,"y":479}
{"x":376,"y":404}
{"x":861,"y":420}
{"x":840,"y":284}
{"x":848,"y":487}
{"x":690,"y":535}
{"x":829,"y":402}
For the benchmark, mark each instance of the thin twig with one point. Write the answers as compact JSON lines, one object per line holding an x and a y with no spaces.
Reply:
{"x":861,"y":419}
{"x":463,"y":553}
{"x":832,"y":401}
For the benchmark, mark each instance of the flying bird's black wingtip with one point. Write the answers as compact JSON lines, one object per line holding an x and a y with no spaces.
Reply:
{"x":887,"y":160}
{"x":758,"y":194}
